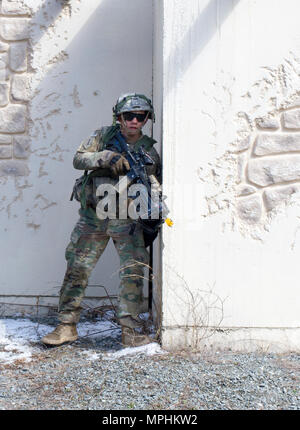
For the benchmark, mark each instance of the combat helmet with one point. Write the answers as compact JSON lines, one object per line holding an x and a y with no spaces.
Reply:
{"x":133,"y":102}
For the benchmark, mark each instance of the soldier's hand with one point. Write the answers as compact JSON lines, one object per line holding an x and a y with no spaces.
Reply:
{"x":119,"y":165}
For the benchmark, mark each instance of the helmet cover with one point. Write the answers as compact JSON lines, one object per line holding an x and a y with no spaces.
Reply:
{"x":133,"y":102}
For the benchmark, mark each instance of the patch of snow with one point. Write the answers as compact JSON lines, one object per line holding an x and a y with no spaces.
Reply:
{"x":18,"y":336}
{"x":15,"y":338}
{"x":91,"y":356}
{"x":149,"y":349}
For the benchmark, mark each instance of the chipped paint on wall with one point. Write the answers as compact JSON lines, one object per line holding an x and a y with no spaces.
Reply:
{"x":58,"y":82}
{"x":256,"y":176}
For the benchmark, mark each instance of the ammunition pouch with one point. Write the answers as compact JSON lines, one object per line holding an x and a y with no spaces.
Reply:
{"x":83,"y":190}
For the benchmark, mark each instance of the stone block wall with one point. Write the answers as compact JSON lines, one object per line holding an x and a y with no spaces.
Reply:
{"x":14,"y":87}
{"x":269,"y":164}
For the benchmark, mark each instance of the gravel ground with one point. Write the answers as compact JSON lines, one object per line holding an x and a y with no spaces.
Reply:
{"x":97,"y":374}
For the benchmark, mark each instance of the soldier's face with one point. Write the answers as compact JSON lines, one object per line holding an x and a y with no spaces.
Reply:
{"x":134,"y":121}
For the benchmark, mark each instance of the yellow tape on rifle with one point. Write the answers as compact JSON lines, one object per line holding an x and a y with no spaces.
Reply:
{"x":169,"y":222}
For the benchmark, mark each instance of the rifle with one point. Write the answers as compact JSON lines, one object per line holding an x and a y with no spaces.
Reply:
{"x":153,"y":201}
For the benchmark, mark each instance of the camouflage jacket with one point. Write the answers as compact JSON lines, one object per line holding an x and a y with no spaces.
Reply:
{"x":91,"y":154}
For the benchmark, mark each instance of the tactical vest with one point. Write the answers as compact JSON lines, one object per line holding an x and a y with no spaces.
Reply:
{"x":84,"y":190}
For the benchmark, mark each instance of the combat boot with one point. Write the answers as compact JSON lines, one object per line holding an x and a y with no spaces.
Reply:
{"x":63,"y":333}
{"x":131,"y":332}
{"x":130,"y":337}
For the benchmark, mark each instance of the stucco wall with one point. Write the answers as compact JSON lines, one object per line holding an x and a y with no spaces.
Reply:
{"x":62,"y":66}
{"x":231,"y":128}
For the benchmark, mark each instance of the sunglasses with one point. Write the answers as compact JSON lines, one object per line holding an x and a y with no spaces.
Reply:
{"x":128,"y":116}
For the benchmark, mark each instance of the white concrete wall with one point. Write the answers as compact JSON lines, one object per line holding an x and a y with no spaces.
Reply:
{"x":157,"y":134}
{"x":62,"y":66}
{"x":231,"y":136}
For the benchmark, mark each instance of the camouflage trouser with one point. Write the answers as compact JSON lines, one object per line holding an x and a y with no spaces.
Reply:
{"x":88,"y":241}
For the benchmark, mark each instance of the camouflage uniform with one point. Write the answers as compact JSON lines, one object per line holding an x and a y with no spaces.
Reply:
{"x":91,"y":235}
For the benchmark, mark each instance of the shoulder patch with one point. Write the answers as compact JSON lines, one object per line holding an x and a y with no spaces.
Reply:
{"x":92,"y":143}
{"x":96,"y":133}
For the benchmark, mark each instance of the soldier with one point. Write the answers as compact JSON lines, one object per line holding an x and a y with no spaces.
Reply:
{"x":91,"y":234}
